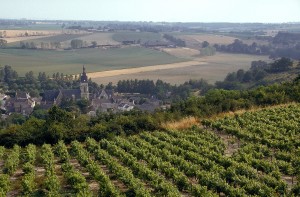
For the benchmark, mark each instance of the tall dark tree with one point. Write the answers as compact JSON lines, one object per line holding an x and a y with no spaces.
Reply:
{"x":281,"y":65}
{"x":3,"y":43}
{"x":75,"y":44}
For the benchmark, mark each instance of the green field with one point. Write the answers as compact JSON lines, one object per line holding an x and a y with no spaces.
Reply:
{"x":70,"y":62}
{"x":101,"y":38}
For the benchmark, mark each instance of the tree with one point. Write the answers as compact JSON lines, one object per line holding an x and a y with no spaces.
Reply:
{"x":281,"y":65}
{"x":32,"y":45}
{"x":56,"y":114}
{"x":42,"y":76}
{"x":258,"y":65}
{"x":16,"y":118}
{"x":231,"y":77}
{"x":22,"y":45}
{"x":94,"y":44}
{"x":29,"y":76}
{"x":248,"y":76}
{"x":3,"y":43}
{"x":9,"y":74}
{"x":75,"y":44}
{"x":240,"y":74}
{"x":83,"y":105}
{"x":205,"y":44}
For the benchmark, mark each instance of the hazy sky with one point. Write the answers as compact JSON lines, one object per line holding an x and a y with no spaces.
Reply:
{"x":155,"y":10}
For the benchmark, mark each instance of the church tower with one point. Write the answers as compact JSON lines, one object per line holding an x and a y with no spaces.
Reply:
{"x":84,"y":87}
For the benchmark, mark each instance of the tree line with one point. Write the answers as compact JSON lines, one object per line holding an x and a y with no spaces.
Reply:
{"x":177,"y":41}
{"x":239,"y":47}
{"x":256,"y":75}
{"x":284,"y":44}
{"x":59,"y":124}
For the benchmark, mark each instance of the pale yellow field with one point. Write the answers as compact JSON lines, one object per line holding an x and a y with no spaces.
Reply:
{"x":212,"y":68}
{"x":182,"y":52}
{"x":211,"y":38}
{"x":20,"y":33}
{"x":112,"y":73}
{"x":17,"y":39}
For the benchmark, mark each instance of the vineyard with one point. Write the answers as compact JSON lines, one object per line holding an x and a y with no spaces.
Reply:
{"x":252,"y":154}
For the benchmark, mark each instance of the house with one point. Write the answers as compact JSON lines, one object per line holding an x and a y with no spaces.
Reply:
{"x":54,"y":97}
{"x":125,"y":107}
{"x":150,"y":105}
{"x":22,"y":103}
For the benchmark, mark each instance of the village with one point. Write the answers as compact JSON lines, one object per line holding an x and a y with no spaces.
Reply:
{"x":102,"y":101}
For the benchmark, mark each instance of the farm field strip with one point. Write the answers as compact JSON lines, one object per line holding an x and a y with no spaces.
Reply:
{"x":143,"y":69}
{"x":170,"y":163}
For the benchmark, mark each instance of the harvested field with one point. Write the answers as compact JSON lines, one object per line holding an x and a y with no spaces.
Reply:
{"x":212,"y":69}
{"x":211,"y":38}
{"x":127,"y":71}
{"x":18,"y":39}
{"x":182,"y":52}
{"x":29,"y":33}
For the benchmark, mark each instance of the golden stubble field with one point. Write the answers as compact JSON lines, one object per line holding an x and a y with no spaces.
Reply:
{"x":21,"y":35}
{"x":211,"y":68}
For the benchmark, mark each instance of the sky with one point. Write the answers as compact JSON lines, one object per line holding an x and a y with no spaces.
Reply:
{"x":266,"y":11}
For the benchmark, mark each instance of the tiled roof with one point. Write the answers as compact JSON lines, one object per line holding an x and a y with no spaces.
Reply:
{"x":50,"y":95}
{"x":70,"y":93}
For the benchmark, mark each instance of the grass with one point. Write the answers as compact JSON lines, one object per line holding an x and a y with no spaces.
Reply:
{"x":143,"y":36}
{"x":70,"y":62}
{"x":100,"y":38}
{"x":184,"y":123}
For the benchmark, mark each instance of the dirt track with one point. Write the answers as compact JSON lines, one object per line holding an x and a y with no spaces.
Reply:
{"x":111,"y":73}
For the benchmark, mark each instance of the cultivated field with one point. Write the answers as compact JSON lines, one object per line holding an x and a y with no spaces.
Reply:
{"x":195,"y":40}
{"x":211,"y":68}
{"x":250,"y":154}
{"x":101,"y":38}
{"x":71,"y":61}
{"x":22,"y":35}
{"x":184,"y":52}
{"x":132,"y":61}
{"x":27,"y":33}
{"x":211,"y":38}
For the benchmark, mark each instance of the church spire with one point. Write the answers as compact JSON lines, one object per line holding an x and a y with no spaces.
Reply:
{"x":83,"y":78}
{"x":84,"y":87}
{"x":83,"y":69}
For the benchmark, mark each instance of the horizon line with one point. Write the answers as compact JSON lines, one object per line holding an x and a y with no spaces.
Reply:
{"x":94,"y":20}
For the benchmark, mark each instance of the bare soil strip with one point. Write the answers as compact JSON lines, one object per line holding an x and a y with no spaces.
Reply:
{"x":111,"y":73}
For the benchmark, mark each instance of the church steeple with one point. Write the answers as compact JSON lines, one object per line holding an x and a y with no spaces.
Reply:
{"x":84,"y":87}
{"x":83,"y":78}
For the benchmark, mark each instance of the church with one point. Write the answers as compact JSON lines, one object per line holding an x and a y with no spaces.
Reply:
{"x":54,"y":97}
